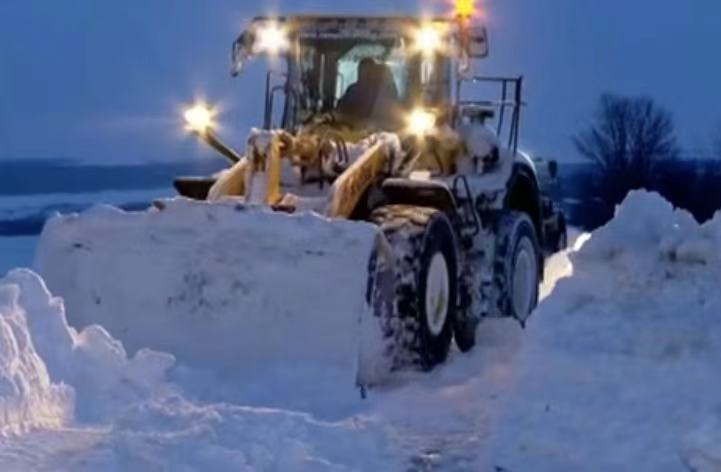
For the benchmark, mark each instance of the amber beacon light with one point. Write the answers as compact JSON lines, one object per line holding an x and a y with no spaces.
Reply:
{"x":465,"y":8}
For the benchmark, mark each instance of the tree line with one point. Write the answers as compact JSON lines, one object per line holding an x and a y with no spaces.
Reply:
{"x":632,"y":144}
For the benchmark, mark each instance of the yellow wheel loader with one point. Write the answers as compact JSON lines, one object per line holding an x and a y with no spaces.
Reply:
{"x":381,"y":183}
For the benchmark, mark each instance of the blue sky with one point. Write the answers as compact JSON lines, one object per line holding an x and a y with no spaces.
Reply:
{"x":104,"y":81}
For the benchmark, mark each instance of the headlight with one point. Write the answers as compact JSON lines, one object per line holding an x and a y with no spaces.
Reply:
{"x":271,"y":39}
{"x":421,"y":122}
{"x":199,"y":118}
{"x":428,"y":40}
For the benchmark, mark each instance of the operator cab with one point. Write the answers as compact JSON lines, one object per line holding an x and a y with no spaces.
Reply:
{"x":369,"y":83}
{"x":367,"y":73}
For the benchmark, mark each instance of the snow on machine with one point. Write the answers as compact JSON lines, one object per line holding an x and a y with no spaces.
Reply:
{"x":382,"y":211}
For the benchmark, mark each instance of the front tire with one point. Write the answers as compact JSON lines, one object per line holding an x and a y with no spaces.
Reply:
{"x":424,"y":245}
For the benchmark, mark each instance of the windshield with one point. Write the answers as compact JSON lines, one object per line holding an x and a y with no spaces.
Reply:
{"x":372,"y":81}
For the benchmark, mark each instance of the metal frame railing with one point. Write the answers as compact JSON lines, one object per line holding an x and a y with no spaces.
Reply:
{"x":511,"y":92}
{"x":271,"y":90}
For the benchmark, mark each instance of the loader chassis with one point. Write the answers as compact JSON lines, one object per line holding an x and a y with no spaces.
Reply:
{"x":464,"y":223}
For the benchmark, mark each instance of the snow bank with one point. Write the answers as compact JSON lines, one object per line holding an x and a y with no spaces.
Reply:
{"x":28,"y":397}
{"x":139,"y":421}
{"x":89,"y":365}
{"x":620,"y":370}
{"x":220,"y":286}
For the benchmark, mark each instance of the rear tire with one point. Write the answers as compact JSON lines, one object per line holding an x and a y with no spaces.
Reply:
{"x":518,"y":266}
{"x":426,"y":292}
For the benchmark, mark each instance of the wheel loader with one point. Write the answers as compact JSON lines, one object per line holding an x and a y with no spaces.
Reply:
{"x":370,"y":122}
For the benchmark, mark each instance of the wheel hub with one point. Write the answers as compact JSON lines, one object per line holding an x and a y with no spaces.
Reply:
{"x":437,"y":294}
{"x":525,"y":279}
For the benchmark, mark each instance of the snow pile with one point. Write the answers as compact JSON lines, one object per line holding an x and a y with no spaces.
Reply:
{"x":90,"y":365}
{"x":140,"y":422}
{"x":620,"y":367}
{"x":28,"y":397}
{"x":221,"y":286}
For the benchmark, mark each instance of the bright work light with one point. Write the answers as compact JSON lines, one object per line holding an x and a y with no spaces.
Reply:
{"x":421,"y":121}
{"x":199,"y":118}
{"x":428,"y":40}
{"x":271,"y":39}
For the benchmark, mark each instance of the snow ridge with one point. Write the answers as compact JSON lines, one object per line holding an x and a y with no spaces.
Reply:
{"x":619,"y":370}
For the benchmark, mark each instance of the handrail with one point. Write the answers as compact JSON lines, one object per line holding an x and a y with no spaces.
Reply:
{"x":515,"y":102}
{"x":476,"y":222}
{"x":270,"y":94}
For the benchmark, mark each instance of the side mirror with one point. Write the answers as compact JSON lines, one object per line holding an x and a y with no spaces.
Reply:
{"x":264,"y":36}
{"x":472,"y":43}
{"x":242,"y":50}
{"x":477,"y":42}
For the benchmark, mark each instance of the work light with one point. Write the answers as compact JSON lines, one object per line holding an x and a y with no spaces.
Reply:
{"x":200,"y":118}
{"x":271,"y":39}
{"x":428,"y":40}
{"x":421,"y":121}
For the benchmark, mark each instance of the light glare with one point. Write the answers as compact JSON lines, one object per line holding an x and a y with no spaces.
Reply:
{"x":581,"y":241}
{"x":199,"y":118}
{"x":421,"y":121}
{"x":428,"y":40}
{"x":272,"y":39}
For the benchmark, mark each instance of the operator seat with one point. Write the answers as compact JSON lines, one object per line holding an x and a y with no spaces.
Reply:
{"x":386,"y":107}
{"x":374,"y":97}
{"x":358,"y":100}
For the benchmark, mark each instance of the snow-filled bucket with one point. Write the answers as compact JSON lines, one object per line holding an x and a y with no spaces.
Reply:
{"x":225,"y":286}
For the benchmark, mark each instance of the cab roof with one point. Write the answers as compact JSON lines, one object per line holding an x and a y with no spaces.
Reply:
{"x":350,"y":25}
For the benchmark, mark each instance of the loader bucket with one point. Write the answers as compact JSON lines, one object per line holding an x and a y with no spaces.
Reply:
{"x":225,"y":286}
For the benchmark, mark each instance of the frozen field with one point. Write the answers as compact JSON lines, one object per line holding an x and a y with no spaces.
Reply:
{"x":25,"y":205}
{"x":25,"y":215}
{"x":22,"y":216}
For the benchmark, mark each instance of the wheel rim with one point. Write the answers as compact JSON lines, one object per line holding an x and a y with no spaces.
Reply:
{"x":525,"y":279}
{"x":437,"y":290}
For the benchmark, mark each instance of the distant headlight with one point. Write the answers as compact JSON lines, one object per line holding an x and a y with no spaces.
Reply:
{"x":200,"y":118}
{"x":421,"y":122}
{"x":271,"y":39}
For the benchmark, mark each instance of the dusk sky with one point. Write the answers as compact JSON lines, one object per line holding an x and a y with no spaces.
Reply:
{"x":104,"y":81}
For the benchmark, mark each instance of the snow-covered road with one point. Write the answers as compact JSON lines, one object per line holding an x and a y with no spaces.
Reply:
{"x":617,"y":371}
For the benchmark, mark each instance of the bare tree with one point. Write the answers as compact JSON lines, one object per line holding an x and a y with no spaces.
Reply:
{"x":629,"y":137}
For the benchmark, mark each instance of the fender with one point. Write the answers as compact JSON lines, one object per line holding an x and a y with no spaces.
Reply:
{"x":524,"y":193}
